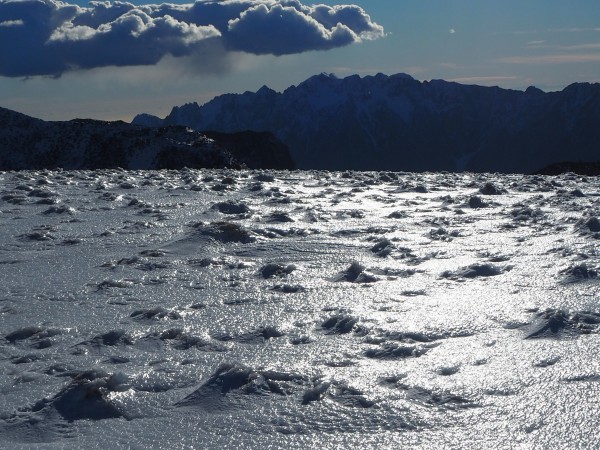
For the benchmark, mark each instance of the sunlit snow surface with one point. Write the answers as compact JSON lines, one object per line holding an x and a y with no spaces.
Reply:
{"x":215,"y":309}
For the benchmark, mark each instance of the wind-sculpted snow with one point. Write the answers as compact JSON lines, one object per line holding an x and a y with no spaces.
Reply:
{"x":554,"y":322}
{"x":221,"y":309}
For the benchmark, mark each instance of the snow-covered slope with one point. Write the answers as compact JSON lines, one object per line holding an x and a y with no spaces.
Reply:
{"x":28,"y":143}
{"x":250,"y":309}
{"x":398,"y":123}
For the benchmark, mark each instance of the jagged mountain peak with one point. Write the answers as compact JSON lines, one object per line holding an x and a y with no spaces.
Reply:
{"x":322,"y":77}
{"x":265,"y":90}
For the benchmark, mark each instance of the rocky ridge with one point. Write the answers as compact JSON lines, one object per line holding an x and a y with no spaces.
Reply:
{"x":398,"y":123}
{"x":29,"y":143}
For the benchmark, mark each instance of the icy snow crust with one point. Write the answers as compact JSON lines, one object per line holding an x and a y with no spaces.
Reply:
{"x":247,"y":309}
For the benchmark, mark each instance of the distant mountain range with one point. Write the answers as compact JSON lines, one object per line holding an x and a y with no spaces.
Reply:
{"x":372,"y":123}
{"x":28,"y":143}
{"x":398,"y":123}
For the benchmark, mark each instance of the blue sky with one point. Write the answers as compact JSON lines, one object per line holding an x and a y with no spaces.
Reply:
{"x":89,"y":72}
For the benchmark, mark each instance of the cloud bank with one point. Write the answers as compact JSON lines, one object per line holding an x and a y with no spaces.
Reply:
{"x":48,"y":37}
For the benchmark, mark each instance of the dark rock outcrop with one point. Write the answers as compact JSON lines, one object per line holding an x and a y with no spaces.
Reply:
{"x":256,"y":150}
{"x":580,"y":168}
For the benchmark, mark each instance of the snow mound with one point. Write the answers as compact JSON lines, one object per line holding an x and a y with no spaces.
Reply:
{"x":340,"y":324}
{"x":578,"y":272}
{"x":155,"y":314}
{"x":490,"y":188}
{"x":224,"y":232}
{"x":256,"y":336}
{"x":590,"y":227}
{"x":556,"y":323}
{"x":230,"y":207}
{"x":428,"y":397}
{"x":475,"y":270}
{"x":276,"y":270}
{"x":390,"y":350}
{"x":231,"y":382}
{"x":356,"y":273}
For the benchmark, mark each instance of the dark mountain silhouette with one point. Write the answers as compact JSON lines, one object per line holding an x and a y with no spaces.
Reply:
{"x":397,"y":123}
{"x":580,"y":168}
{"x":28,"y":143}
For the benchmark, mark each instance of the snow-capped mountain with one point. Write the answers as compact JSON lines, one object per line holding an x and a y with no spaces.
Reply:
{"x":28,"y":143}
{"x":398,"y":123}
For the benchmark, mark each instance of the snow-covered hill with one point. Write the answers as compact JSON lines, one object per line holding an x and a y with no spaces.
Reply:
{"x":397,"y":123}
{"x":28,"y":143}
{"x":250,"y":309}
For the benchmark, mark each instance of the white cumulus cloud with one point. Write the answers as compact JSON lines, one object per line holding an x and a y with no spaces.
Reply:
{"x":12,"y":23}
{"x":48,"y":37}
